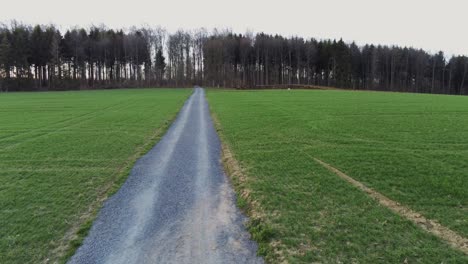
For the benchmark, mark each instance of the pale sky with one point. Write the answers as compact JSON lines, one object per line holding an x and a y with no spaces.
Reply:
{"x":431,"y":25}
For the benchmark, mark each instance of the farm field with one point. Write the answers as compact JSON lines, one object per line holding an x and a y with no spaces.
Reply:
{"x":412,"y":148}
{"x":62,"y":153}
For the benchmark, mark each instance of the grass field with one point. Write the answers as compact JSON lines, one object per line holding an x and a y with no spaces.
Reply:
{"x":413,"y":148}
{"x":61,"y":152}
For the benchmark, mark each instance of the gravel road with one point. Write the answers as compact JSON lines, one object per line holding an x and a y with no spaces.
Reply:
{"x":176,"y":206}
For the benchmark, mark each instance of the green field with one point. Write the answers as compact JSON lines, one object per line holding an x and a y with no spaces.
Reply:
{"x":62,"y":152}
{"x":413,"y":148}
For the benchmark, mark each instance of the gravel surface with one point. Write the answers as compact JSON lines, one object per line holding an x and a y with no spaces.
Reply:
{"x":176,"y":206}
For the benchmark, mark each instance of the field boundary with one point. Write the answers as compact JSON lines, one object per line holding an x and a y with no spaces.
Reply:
{"x":452,"y":238}
{"x":72,"y":239}
{"x":294,"y":86}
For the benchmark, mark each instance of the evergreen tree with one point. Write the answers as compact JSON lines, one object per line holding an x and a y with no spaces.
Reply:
{"x":160,"y":66}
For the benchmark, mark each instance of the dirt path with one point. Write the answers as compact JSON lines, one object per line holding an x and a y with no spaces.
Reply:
{"x":433,"y":227}
{"x":176,"y":206}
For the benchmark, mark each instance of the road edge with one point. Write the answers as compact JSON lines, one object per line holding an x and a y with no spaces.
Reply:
{"x":75,"y":235}
{"x":269,"y":246}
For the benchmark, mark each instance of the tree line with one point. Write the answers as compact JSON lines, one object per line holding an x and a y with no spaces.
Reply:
{"x":41,"y":57}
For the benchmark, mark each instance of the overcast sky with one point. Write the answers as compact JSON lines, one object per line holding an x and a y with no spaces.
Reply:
{"x":432,"y":25}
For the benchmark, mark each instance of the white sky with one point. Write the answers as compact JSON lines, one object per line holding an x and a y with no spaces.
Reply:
{"x":431,"y":25}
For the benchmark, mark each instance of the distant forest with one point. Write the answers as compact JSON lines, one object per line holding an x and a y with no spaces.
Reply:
{"x":43,"y":58}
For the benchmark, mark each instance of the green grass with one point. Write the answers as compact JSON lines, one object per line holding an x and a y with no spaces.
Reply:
{"x":59,"y":151}
{"x":413,"y":148}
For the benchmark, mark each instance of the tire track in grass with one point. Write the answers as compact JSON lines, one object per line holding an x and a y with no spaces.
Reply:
{"x":452,"y":238}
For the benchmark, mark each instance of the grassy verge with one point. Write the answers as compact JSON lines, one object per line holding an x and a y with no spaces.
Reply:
{"x":257,"y":224}
{"x":62,"y":154}
{"x":412,"y":148}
